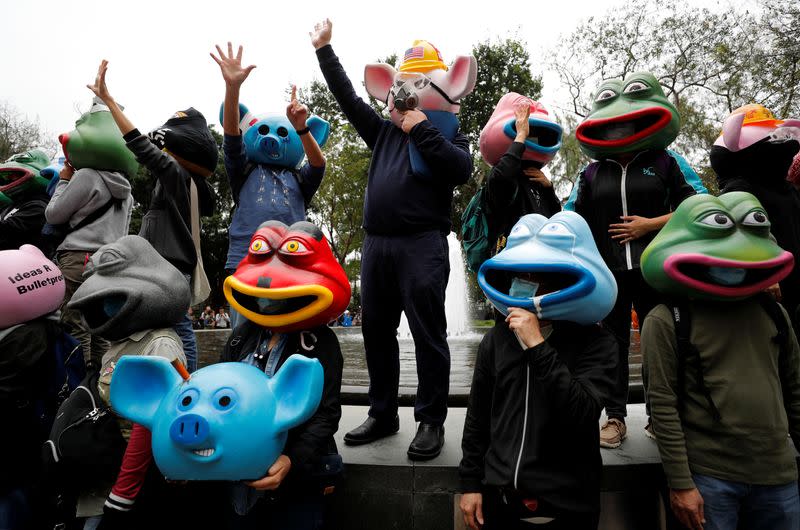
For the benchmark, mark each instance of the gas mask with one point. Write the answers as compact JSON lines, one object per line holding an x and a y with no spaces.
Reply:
{"x":406,"y":89}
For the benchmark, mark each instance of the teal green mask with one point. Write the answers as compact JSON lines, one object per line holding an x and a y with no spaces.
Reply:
{"x":96,"y":143}
{"x":716,"y":248}
{"x":20,"y":177}
{"x":628,"y":116}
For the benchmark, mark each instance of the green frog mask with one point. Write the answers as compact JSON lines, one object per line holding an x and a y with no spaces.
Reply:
{"x":628,"y":116}
{"x":716,"y":248}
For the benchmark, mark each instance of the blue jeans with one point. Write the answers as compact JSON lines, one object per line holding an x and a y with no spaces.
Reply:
{"x":186,"y":333}
{"x":728,"y":505}
{"x":296,"y":512}
{"x":14,"y":509}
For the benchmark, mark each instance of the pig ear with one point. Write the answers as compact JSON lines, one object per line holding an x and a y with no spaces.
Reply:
{"x":245,"y":118}
{"x":378,"y":78}
{"x":139,"y":384}
{"x":461,"y":77}
{"x":731,"y":130}
{"x":320,"y":129}
{"x":297,"y":388}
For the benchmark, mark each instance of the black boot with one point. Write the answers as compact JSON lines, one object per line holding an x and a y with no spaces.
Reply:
{"x":371,"y":430}
{"x":427,"y":443}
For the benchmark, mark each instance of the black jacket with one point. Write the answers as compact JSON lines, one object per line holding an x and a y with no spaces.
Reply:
{"x":167,"y":223}
{"x":22,"y":223}
{"x":27,"y":363}
{"x":654,"y":185}
{"x":399,"y":201}
{"x":512,"y":194}
{"x":761,"y":169}
{"x":553,"y":452}
{"x":309,"y":442}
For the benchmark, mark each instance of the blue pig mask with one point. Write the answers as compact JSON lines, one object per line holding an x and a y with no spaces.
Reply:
{"x":229,"y":421}
{"x":562,"y":250}
{"x":272,"y":140}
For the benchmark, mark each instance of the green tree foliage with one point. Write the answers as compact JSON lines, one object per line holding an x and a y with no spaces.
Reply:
{"x":338,"y":205}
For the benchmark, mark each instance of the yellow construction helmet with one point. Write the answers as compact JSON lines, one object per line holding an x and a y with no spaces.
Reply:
{"x":755,"y":114}
{"x":422,"y":57}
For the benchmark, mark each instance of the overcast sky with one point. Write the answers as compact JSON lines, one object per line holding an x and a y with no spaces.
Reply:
{"x":158,"y":50}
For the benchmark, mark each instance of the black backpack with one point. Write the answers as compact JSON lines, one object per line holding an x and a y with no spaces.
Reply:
{"x":86,"y":446}
{"x":682,"y":319}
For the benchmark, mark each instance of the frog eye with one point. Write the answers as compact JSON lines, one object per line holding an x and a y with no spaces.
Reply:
{"x":717,"y":220}
{"x":605,"y":95}
{"x":294,"y":246}
{"x":636,"y":86}
{"x":555,"y":229}
{"x":259,"y":246}
{"x":756,"y":218}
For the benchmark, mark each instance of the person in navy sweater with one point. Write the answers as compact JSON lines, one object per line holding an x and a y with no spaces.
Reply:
{"x":404,"y":261}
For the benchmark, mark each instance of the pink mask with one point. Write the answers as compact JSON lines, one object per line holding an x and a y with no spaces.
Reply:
{"x":31,"y":286}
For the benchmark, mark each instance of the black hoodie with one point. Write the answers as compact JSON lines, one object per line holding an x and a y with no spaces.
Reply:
{"x":761,"y":169}
{"x":532,"y":420}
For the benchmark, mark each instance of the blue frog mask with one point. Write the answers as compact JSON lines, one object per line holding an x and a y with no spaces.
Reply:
{"x":271,"y":139}
{"x":561,"y":253}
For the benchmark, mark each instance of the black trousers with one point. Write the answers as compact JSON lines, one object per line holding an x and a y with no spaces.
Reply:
{"x":631,"y":289}
{"x":506,"y":512}
{"x":406,"y":273}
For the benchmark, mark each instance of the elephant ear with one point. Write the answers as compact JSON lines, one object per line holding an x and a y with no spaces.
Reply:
{"x":461,"y":77}
{"x":320,"y":129}
{"x":378,"y":79}
{"x":139,"y":384}
{"x":246,"y":119}
{"x":297,"y":387}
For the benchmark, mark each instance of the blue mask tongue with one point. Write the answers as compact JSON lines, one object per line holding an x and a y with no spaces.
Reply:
{"x":522,"y":288}
{"x":726,"y":275}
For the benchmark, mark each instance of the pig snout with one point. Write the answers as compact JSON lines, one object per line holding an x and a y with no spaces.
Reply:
{"x":189,"y":430}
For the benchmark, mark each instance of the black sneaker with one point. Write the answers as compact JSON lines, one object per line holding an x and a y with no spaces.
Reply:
{"x":371,"y":430}
{"x":427,"y":443}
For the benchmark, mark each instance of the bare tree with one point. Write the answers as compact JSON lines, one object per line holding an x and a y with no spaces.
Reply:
{"x":18,"y":133}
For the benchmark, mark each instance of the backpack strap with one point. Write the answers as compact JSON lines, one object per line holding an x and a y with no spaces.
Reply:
{"x":95,"y":215}
{"x":781,"y":338}
{"x":682,"y":319}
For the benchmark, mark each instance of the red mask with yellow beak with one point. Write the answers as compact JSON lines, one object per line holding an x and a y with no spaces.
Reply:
{"x":289,"y":280}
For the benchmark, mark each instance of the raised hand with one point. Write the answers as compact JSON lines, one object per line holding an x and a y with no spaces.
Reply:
{"x":99,"y":87}
{"x":522,"y":111}
{"x":321,"y":36}
{"x":231,"y":67}
{"x":296,"y":112}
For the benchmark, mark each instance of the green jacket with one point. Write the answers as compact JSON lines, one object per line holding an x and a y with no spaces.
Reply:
{"x":742,"y":370}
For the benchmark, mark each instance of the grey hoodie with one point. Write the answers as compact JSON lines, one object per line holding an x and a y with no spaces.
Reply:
{"x":86,"y":192}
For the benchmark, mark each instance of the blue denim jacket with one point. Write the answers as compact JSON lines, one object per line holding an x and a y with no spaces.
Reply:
{"x":266,"y":193}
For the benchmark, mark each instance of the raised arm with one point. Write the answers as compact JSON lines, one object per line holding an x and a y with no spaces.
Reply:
{"x":234,"y":75}
{"x":366,"y":121}
{"x":101,"y":90}
{"x":297,"y":115}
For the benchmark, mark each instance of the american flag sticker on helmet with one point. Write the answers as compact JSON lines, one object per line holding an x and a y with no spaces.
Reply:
{"x":417,"y":52}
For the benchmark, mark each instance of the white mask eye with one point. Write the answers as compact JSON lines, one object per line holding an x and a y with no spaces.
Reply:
{"x":519,"y":231}
{"x":555,"y":229}
{"x":636,"y":86}
{"x":756,"y":218}
{"x":717,"y":220}
{"x":605,"y":95}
